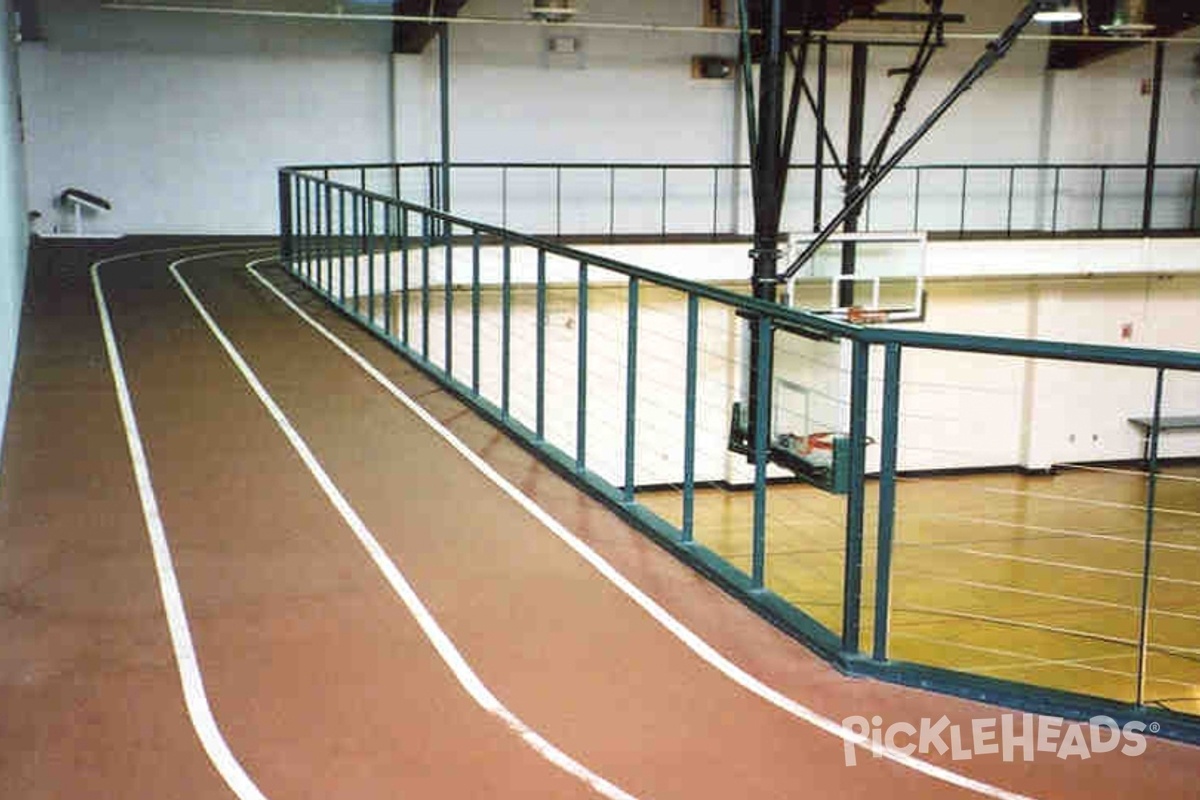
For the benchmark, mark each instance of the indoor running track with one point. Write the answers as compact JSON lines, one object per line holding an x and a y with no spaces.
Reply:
{"x":237,"y":563}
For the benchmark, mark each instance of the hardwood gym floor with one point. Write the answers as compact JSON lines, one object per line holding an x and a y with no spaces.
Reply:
{"x":318,"y":678}
{"x":1036,"y":579}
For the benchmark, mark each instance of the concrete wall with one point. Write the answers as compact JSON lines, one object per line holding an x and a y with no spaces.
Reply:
{"x":13,"y":229}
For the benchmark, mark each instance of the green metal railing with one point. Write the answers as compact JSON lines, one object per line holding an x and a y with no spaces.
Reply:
{"x":616,"y":200}
{"x":623,"y":379}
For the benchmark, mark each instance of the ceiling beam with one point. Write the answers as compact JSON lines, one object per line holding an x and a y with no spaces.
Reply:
{"x":1170,"y":17}
{"x":413,"y":37}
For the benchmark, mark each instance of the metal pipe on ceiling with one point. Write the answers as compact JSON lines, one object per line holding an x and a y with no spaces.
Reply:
{"x":649,"y":27}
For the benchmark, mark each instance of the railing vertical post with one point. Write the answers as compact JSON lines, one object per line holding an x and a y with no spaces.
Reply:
{"x":306,"y":229}
{"x":1012,"y":185}
{"x":304,"y":243}
{"x":855,"y":501}
{"x":504,"y":198}
{"x":612,"y":201}
{"x":322,"y":233}
{"x":631,"y":353}
{"x":962,"y":210}
{"x":581,"y":377}
{"x":541,"y":344}
{"x":716,"y":189}
{"x":300,"y":244}
{"x":689,"y":418}
{"x":431,"y":186}
{"x":889,"y":438}
{"x":318,"y":229}
{"x":762,"y":403}
{"x":1194,"y":223}
{"x":341,"y":246}
{"x":448,"y":298}
{"x":366,"y":232}
{"x":286,"y":243}
{"x":916,"y":203}
{"x":369,"y":228}
{"x":404,"y":280}
{"x":356,"y":223}
{"x":505,"y":330}
{"x":558,"y":200}
{"x":426,"y":225}
{"x":322,"y":230}
{"x":475,"y":297}
{"x":388,"y":326}
{"x":1148,"y":550}
{"x":662,"y":214}
{"x":328,"y":238}
{"x":1057,"y":185}
{"x":362,"y":186}
{"x":1103,"y":190}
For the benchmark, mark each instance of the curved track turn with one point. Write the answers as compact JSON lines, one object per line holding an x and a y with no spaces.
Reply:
{"x":319,"y":683}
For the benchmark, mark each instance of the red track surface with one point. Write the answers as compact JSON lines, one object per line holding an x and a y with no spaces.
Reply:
{"x":318,"y":677}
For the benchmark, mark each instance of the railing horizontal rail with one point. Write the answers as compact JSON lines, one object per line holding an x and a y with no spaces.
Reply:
{"x":637,"y":198}
{"x":657,"y":165}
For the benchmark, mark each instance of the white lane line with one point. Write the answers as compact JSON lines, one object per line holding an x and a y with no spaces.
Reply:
{"x":1140,"y":475}
{"x":195,"y":698}
{"x":691,"y":639}
{"x":1088,"y":501}
{"x":437,"y":637}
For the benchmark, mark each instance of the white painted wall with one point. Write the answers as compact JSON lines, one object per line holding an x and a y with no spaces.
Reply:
{"x":182,"y":121}
{"x":628,"y":95}
{"x":162,"y":112}
{"x":13,"y":228}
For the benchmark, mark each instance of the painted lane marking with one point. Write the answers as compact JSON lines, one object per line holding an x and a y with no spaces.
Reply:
{"x":1064,"y":498}
{"x":195,"y":697}
{"x":441,"y":642}
{"x":684,"y":634}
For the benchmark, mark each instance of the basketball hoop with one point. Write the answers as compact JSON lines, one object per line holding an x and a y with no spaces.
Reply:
{"x":822,"y":440}
{"x":865,"y":316}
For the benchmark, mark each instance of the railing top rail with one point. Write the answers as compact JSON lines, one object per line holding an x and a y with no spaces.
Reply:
{"x":358,"y":165}
{"x":797,"y":319}
{"x":1035,"y":348}
{"x":806,"y":321}
{"x":680,"y":165}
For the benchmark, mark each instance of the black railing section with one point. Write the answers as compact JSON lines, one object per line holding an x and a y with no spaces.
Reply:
{"x":623,"y":201}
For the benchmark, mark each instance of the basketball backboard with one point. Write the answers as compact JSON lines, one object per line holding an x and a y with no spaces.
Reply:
{"x":888,"y":284}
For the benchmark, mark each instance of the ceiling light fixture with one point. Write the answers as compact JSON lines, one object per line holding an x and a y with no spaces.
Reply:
{"x":1129,"y":19}
{"x":1055,"y":11}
